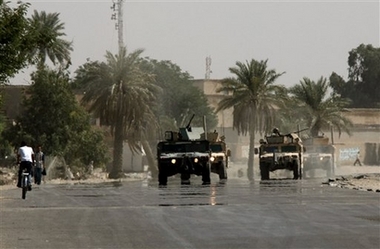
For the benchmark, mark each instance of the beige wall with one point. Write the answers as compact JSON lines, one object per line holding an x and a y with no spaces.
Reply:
{"x":209,"y":88}
{"x":362,"y":116}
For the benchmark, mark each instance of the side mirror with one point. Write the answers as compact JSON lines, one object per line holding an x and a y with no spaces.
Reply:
{"x":256,"y":151}
{"x":228,"y":152}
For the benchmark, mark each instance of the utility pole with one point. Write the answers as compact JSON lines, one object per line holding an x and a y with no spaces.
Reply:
{"x":208,"y":67}
{"x":117,"y":8}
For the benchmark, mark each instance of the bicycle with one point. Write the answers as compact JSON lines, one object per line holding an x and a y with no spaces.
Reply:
{"x":25,"y":183}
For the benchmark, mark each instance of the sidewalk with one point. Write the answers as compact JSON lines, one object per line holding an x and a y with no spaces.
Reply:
{"x":353,"y":170}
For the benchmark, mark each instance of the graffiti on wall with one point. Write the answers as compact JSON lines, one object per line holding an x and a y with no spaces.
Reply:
{"x":348,"y":153}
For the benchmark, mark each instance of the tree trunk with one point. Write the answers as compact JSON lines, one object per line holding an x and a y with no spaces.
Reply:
{"x":117,"y":169}
{"x":150,"y":157}
{"x":251,"y":158}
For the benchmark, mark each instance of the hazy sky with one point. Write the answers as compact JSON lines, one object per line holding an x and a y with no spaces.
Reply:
{"x":303,"y":38}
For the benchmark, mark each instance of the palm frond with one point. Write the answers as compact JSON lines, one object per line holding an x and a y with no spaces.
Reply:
{"x":320,"y":112}
{"x":254,"y":96}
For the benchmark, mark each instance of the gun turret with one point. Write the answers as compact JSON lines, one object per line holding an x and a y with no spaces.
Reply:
{"x":185,"y":133}
{"x":277,"y":138}
{"x":188,"y":127}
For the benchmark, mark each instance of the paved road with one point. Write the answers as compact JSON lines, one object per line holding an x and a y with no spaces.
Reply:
{"x":238,"y":214}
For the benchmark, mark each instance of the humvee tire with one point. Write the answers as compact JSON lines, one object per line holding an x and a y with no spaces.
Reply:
{"x":206,"y":174}
{"x":162,"y":178}
{"x":296,"y":171}
{"x":264,"y":171}
{"x":222,"y":171}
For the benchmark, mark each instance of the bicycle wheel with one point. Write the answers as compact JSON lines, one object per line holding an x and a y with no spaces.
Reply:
{"x":24,"y":186}
{"x":24,"y":189}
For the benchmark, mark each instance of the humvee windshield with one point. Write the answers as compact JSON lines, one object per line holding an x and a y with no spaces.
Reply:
{"x":216,"y":148}
{"x":270,"y":149}
{"x":288,"y":148}
{"x":184,"y":147}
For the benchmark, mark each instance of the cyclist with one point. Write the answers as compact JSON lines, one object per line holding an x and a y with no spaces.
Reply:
{"x":25,"y":157}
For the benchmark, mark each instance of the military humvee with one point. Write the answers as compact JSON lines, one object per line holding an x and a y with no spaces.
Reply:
{"x":184,"y":153}
{"x":219,"y":154}
{"x":279,"y":151}
{"x":319,"y":155}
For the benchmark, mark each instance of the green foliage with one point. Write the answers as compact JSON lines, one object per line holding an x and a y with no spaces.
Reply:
{"x":46,"y":31}
{"x":30,"y":40}
{"x":121,"y":95}
{"x":179,"y":99}
{"x":5,"y":147}
{"x":88,"y":145}
{"x":15,"y":39}
{"x":319,"y":111}
{"x":363,"y":85}
{"x":53,"y":118}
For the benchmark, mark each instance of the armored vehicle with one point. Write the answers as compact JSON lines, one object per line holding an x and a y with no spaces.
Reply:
{"x":183,"y":153}
{"x":318,"y":155}
{"x":219,"y":154}
{"x":279,"y":151}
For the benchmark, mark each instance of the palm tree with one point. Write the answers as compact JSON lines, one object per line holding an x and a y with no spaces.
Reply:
{"x":254,"y":99}
{"x":47,"y":31}
{"x":319,"y":111}
{"x":121,"y":95}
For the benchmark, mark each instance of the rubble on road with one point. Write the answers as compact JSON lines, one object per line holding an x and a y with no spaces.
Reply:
{"x":364,"y":182}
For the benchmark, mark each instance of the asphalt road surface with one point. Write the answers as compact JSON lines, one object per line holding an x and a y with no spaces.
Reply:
{"x":238,"y":214}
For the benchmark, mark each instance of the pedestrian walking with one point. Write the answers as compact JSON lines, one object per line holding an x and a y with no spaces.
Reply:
{"x":357,"y":161}
{"x":39,"y":165}
{"x":90,"y":169}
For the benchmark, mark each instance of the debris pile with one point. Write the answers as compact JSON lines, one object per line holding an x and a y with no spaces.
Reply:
{"x":364,"y":182}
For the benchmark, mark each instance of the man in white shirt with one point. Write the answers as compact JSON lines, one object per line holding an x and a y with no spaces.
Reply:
{"x":25,"y":157}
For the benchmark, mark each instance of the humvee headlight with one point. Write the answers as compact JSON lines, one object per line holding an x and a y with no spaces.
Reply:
{"x":212,"y":159}
{"x":321,"y":158}
{"x":196,"y":160}
{"x":173,"y":161}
